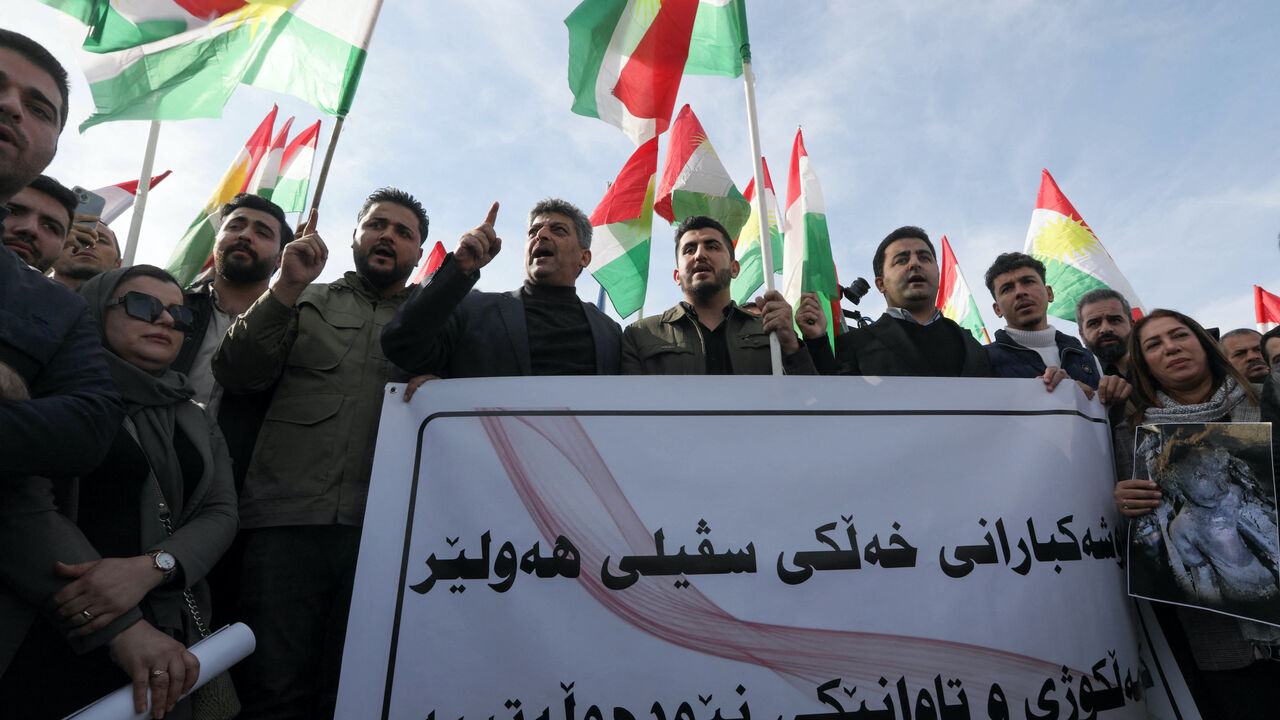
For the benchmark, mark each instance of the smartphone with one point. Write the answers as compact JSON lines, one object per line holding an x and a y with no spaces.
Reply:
{"x":89,"y":203}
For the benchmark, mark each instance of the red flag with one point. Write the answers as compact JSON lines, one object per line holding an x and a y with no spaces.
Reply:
{"x":1267,"y":308}
{"x":433,"y":261}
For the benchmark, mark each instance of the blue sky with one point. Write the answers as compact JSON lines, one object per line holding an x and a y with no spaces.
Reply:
{"x":1157,"y":120}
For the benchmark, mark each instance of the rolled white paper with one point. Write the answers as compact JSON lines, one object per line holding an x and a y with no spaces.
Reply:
{"x":222,"y":649}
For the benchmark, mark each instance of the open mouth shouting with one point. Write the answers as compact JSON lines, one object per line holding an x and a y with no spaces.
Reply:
{"x":383,"y":250}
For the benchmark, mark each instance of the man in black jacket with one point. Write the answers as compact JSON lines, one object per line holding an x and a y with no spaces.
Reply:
{"x":912,"y":337}
{"x":542,"y":328}
{"x":246,"y":254}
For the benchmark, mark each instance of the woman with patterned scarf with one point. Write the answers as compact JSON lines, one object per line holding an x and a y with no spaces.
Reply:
{"x":1181,"y":376}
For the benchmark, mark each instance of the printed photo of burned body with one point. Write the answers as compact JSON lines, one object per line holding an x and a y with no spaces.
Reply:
{"x":1213,"y":541}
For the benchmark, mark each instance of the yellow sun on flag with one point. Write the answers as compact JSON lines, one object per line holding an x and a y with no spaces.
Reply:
{"x":1065,"y":239}
{"x":257,"y":13}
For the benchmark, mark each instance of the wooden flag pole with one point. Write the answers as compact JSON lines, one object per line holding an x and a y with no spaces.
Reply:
{"x":328,"y":158}
{"x":140,"y":199}
{"x":762,"y":213}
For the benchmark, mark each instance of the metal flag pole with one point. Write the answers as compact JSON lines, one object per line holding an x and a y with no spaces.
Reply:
{"x":140,"y":200}
{"x":762,"y":213}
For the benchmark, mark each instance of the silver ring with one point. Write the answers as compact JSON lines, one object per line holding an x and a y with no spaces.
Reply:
{"x":88,"y":616}
{"x":159,"y":673}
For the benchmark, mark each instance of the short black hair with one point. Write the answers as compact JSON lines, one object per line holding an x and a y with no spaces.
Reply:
{"x":702,"y":222}
{"x":906,"y":231}
{"x":403,"y":199}
{"x":1009,"y":261}
{"x":1098,"y":295}
{"x":581,"y":222}
{"x":1268,"y":335}
{"x":56,"y":190}
{"x":43,"y":59}
{"x":257,"y":202}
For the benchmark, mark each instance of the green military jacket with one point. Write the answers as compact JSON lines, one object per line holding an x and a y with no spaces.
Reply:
{"x":672,"y":344}
{"x":314,"y":454}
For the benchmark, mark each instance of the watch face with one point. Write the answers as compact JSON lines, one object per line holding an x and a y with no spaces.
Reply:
{"x":165,"y":561}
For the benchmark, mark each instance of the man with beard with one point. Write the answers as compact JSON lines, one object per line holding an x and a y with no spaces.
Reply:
{"x":1243,"y":347}
{"x":38,"y":220}
{"x":1105,"y":321}
{"x":540,"y":329}
{"x":90,"y":250}
{"x":707,"y":333}
{"x":246,"y":254}
{"x":912,"y":337}
{"x":304,"y":495}
{"x":59,"y":410}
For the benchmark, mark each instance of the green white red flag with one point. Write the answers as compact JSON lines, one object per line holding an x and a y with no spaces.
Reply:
{"x":196,"y":246}
{"x":694,"y":181}
{"x":955,"y":299}
{"x":1267,"y":308}
{"x":295,"y":170}
{"x":264,"y":178}
{"x":626,"y":57}
{"x":179,"y":59}
{"x":623,"y":223}
{"x":746,"y":246}
{"x":807,"y":263}
{"x":1074,"y":259}
{"x":120,"y":197}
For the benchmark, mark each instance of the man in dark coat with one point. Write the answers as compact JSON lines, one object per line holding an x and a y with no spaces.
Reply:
{"x":542,"y":328}
{"x":912,"y":337}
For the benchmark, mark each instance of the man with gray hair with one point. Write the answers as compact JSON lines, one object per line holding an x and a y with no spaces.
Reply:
{"x":542,"y":328}
{"x":1105,"y":321}
{"x":1243,"y":348}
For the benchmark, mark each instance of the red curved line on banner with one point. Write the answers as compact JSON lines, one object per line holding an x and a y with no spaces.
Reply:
{"x":804,"y":657}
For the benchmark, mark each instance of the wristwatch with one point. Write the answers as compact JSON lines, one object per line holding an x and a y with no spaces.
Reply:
{"x":165,"y":562}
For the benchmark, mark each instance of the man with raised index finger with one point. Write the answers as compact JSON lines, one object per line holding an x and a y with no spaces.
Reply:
{"x":541,"y":328}
{"x":302,"y":505}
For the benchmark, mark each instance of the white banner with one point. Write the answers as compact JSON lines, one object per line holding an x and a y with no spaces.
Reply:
{"x":702,"y":548}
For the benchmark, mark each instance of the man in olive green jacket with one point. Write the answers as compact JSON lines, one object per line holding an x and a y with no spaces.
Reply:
{"x":708,"y":333}
{"x":304,"y":493}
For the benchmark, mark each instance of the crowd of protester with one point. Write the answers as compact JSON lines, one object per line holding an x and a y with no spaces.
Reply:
{"x":174,"y":458}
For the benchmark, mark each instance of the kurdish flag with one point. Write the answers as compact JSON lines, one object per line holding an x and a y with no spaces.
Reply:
{"x":1074,"y":259}
{"x":807,"y":262}
{"x":120,"y":197}
{"x":626,"y":57}
{"x":179,"y":59}
{"x":263,"y":181}
{"x":694,"y":181}
{"x":193,"y":251}
{"x":295,"y":171}
{"x":623,"y":223}
{"x":955,"y":299}
{"x":1266,"y":308}
{"x":747,"y":245}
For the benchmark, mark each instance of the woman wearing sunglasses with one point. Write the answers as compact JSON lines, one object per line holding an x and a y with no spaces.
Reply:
{"x":160,"y":510}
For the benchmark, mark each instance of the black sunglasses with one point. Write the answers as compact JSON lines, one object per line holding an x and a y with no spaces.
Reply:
{"x":148,"y":308}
